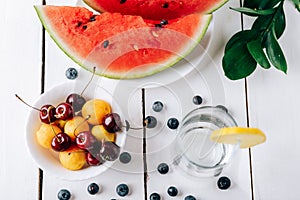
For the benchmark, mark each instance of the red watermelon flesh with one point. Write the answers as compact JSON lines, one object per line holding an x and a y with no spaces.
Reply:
{"x":156,"y":9}
{"x":121,"y":46}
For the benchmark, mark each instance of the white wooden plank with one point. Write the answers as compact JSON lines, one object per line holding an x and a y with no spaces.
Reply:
{"x":20,"y":61}
{"x":209,"y":82}
{"x":274,"y":107}
{"x":129,"y":99}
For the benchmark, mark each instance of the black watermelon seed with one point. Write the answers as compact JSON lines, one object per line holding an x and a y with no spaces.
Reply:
{"x":105,"y":43}
{"x":158,"y":25}
{"x":164,"y":22}
{"x":165,"y":5}
{"x":122,"y":1}
{"x":79,"y":24}
{"x":84,"y":27}
{"x":93,"y":18}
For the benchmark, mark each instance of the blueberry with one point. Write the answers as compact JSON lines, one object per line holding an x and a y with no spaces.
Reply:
{"x":93,"y":188}
{"x":64,"y":194}
{"x":150,"y":122}
{"x":122,"y":190}
{"x":172,"y":191}
{"x":197,"y":100}
{"x":154,"y":196}
{"x":163,"y":168}
{"x":189,"y":197}
{"x":173,"y":123}
{"x":71,"y":73}
{"x":224,"y":183}
{"x":125,"y":157}
{"x":157,"y":106}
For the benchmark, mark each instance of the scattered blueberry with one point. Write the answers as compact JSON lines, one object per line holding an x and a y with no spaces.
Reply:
{"x":224,"y":183}
{"x":172,"y":191}
{"x":189,"y":197}
{"x":125,"y":157}
{"x":222,"y":107}
{"x":157,"y":106}
{"x":122,"y":190}
{"x":154,"y":196}
{"x":197,"y":100}
{"x":163,"y":168}
{"x":93,"y":188}
{"x":71,"y":73}
{"x":122,"y":1}
{"x":150,"y":122}
{"x":173,"y":123}
{"x":64,"y":194}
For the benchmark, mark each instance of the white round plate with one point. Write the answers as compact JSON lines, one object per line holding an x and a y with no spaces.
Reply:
{"x":47,"y":159}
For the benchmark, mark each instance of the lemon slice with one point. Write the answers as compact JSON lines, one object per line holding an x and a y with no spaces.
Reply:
{"x":246,"y":137}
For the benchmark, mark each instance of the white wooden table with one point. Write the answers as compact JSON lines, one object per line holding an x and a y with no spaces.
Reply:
{"x":31,"y":64}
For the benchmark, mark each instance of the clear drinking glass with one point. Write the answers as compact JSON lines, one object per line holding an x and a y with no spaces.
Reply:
{"x":197,"y":155}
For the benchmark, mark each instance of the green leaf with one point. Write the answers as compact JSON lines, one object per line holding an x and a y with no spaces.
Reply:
{"x":274,"y":52}
{"x":256,"y":50}
{"x":270,"y":3}
{"x":262,"y":23}
{"x":297,"y":4}
{"x":279,"y":22}
{"x":260,"y":4}
{"x":254,"y":12}
{"x":240,"y":38}
{"x":238,"y":63}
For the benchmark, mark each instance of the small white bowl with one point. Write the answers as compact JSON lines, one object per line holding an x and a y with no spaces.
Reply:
{"x":47,"y":159}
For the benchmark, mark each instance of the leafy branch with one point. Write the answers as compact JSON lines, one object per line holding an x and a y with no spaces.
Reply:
{"x":259,"y":45}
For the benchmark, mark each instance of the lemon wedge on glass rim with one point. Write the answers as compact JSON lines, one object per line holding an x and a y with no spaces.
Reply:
{"x":245,"y":137}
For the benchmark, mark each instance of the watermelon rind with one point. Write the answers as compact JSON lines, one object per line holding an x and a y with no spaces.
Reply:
{"x":213,"y":9}
{"x":196,"y":38}
{"x":178,"y":12}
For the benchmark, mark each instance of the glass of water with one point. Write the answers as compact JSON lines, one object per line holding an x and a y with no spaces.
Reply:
{"x":197,"y":155}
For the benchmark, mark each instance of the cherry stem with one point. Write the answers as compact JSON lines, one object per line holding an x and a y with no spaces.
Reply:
{"x":85,"y":119}
{"x":27,"y":103}
{"x":94,"y":70}
{"x":51,"y":125}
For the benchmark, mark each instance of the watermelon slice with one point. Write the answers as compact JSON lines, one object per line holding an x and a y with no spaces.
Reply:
{"x":121,"y":46}
{"x":156,"y":9}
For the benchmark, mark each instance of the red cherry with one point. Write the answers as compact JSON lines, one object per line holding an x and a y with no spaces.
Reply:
{"x":94,"y":160}
{"x":61,"y":142}
{"x":85,"y":140}
{"x":64,"y":111}
{"x":76,"y":100}
{"x":47,"y":114}
{"x":112,"y":122}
